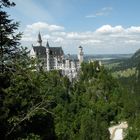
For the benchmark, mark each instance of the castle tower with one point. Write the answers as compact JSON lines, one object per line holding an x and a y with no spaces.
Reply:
{"x":48,"y":56}
{"x":47,"y":45}
{"x":39,"y":39}
{"x":80,"y":55}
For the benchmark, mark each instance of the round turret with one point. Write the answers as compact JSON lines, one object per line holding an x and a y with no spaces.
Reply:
{"x":80,"y":55}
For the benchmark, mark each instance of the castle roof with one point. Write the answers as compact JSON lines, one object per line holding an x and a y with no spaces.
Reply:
{"x":40,"y":50}
{"x":56,"y":50}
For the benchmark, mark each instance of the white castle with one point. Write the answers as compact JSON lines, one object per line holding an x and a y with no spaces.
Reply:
{"x":53,"y":58}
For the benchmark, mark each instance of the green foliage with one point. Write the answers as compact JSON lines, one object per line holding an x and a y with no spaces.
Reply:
{"x":9,"y":40}
{"x":133,"y":133}
{"x":31,"y":137}
{"x":129,"y":78}
{"x":35,"y":104}
{"x":25,"y":102}
{"x":94,"y":104}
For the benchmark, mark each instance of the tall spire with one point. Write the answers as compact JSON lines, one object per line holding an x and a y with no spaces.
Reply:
{"x":39,"y":39}
{"x":47,"y":45}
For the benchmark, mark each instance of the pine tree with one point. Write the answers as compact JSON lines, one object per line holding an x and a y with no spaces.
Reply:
{"x":9,"y":52}
{"x":9,"y":39}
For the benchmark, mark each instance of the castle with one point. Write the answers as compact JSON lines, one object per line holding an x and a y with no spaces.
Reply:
{"x":53,"y":58}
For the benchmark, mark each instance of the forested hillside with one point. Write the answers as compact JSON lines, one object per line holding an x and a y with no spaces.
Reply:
{"x":127,"y":72}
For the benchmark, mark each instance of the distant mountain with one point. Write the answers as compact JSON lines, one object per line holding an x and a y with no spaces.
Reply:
{"x":124,"y":62}
{"x":136,"y":57}
{"x":134,"y":61}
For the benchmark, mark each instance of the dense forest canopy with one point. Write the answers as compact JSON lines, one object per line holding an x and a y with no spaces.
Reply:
{"x":35,"y":104}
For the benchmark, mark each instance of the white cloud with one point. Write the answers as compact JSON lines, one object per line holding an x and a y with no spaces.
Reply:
{"x":104,"y":29}
{"x":59,"y":33}
{"x":132,"y":42}
{"x":102,"y":12}
{"x":91,"y":16}
{"x":28,"y":39}
{"x":46,"y":37}
{"x":42,"y":26}
{"x":58,"y":40}
{"x":90,"y":42}
{"x":106,"y":37}
{"x":76,"y":36}
{"x":109,"y":29}
{"x":134,"y":29}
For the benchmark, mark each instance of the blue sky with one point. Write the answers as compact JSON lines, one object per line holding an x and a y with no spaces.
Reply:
{"x":100,"y":26}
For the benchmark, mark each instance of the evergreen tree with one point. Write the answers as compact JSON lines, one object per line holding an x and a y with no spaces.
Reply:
{"x":9,"y":39}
